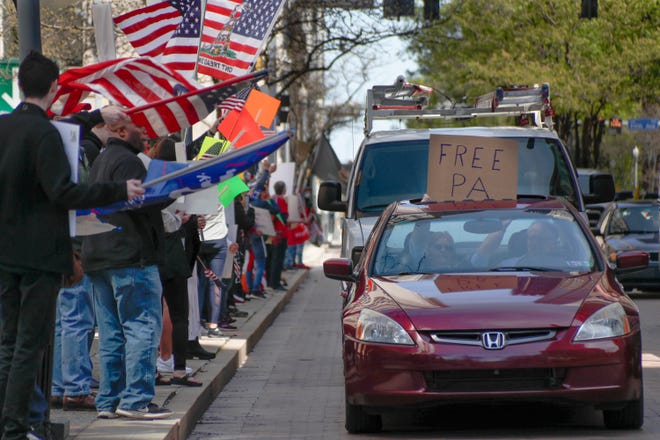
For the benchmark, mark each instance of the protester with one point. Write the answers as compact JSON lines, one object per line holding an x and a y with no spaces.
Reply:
{"x":275,"y":259}
{"x":122,"y":265}
{"x":244,"y":220}
{"x":72,"y":379}
{"x":298,"y":232}
{"x":258,"y":198}
{"x":213,"y":252}
{"x":192,"y":244}
{"x":174,"y":272}
{"x":36,"y":193}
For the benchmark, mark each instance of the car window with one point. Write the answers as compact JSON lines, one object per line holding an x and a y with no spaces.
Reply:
{"x":484,"y":241}
{"x":398,"y":171}
{"x":636,"y":220}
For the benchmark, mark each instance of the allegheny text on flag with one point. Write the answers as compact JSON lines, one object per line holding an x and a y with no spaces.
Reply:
{"x":161,"y":100}
{"x":232,"y":50}
{"x":170,"y":30}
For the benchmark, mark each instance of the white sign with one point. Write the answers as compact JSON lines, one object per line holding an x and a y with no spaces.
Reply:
{"x":263,"y":221}
{"x":70,"y":134}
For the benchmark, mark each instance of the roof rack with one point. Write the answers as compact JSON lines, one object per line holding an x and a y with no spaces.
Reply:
{"x":403,"y":100}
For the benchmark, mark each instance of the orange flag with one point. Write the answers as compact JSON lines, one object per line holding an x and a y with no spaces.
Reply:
{"x":262,"y":107}
{"x":240,"y":129}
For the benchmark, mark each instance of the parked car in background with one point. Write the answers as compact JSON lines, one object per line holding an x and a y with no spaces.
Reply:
{"x":627,"y":225}
{"x":486,"y":301}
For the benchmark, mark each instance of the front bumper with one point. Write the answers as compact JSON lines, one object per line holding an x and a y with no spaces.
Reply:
{"x":604,"y":373}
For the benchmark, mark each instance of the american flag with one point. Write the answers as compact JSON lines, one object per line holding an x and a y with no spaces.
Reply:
{"x":235,"y":102}
{"x":234,"y":48}
{"x":170,"y":29}
{"x":158,"y":98}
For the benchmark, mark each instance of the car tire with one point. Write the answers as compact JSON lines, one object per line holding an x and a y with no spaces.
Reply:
{"x":358,"y":421}
{"x":630,"y":416}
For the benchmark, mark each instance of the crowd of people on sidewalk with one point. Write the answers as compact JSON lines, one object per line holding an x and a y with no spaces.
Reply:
{"x":131,"y":282}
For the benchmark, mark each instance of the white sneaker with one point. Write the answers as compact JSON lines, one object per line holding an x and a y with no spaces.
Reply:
{"x":152,"y":411}
{"x":167,"y":366}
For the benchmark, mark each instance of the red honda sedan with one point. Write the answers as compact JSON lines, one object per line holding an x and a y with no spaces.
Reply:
{"x":483,"y":301}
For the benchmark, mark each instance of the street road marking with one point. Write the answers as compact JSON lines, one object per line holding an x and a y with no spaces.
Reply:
{"x":650,"y":360}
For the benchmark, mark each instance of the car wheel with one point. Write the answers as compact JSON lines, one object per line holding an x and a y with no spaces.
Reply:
{"x":358,"y":421}
{"x":630,"y":416}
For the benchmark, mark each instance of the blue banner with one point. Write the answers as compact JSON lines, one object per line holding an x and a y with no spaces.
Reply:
{"x":167,"y":181}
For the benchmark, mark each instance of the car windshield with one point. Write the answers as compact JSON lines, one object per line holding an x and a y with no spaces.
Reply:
{"x":635,"y":220}
{"x":498,"y":240}
{"x":398,"y":171}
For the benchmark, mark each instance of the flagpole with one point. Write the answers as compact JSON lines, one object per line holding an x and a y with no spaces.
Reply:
{"x":249,"y":77}
{"x":201,"y":34}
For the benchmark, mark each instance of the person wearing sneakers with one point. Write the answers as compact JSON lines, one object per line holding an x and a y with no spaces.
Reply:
{"x":174,"y":272}
{"x":75,"y":322}
{"x":36,"y":192}
{"x":213,"y":253}
{"x":122,"y":265}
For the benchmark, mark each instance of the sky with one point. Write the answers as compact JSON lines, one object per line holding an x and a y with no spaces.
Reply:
{"x":346,"y":140}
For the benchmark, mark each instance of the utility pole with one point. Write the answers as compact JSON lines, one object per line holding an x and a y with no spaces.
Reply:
{"x":29,"y":26}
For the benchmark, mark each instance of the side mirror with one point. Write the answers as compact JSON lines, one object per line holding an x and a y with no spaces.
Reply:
{"x":339,"y":269}
{"x":601,"y":188}
{"x":329,"y":197}
{"x":631,"y":261}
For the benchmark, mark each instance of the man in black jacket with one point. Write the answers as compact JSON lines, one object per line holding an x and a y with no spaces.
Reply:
{"x":36,"y":193}
{"x":122,"y":266}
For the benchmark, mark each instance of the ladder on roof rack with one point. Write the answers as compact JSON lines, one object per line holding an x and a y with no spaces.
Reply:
{"x":403,"y":100}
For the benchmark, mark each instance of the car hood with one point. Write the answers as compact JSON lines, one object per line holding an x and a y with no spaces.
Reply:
{"x":455,"y":302}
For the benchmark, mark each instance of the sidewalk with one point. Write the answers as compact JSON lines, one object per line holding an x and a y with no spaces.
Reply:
{"x":189,"y":403}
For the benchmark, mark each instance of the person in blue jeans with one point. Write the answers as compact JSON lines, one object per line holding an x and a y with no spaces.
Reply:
{"x":35,"y":245}
{"x":74,"y":333}
{"x":122,"y":265}
{"x":213,"y":252}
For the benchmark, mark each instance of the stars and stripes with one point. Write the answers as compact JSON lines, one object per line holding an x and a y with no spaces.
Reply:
{"x":158,"y":98}
{"x":171,"y":30}
{"x":235,"y":102}
{"x":235,"y":47}
{"x":149,"y":29}
{"x":180,"y":52}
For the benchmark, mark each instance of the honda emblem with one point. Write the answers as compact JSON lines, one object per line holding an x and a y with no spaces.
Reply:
{"x":493,"y":340}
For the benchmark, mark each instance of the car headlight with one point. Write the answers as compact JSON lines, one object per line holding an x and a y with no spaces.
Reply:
{"x":376,"y":327}
{"x":607,"y":322}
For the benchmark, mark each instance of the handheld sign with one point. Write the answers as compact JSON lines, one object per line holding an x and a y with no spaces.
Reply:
{"x":472,"y":168}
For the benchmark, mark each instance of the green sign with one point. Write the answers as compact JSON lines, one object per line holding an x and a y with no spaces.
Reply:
{"x":9,"y":94}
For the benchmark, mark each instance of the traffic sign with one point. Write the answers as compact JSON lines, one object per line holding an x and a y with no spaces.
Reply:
{"x":9,"y":94}
{"x":643,"y":124}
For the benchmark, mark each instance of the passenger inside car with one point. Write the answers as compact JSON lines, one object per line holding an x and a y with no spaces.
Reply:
{"x":440,"y":254}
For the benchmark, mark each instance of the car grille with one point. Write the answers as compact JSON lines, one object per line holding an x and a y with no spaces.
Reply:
{"x":511,"y":337}
{"x":515,"y":379}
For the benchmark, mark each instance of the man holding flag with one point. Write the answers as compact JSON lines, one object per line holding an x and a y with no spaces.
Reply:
{"x":36,"y":191}
{"x":122,"y":265}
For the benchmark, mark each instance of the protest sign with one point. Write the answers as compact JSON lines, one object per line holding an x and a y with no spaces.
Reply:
{"x":472,"y":168}
{"x":263,"y":222}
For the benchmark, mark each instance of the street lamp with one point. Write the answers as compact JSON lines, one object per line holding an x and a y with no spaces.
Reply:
{"x":635,"y":153}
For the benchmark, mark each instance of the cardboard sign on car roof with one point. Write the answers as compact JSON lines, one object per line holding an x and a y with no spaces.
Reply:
{"x":472,"y":168}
